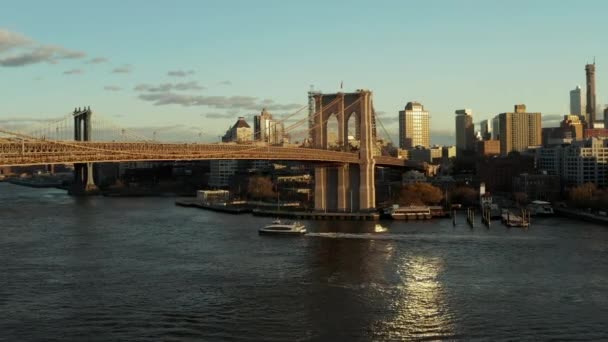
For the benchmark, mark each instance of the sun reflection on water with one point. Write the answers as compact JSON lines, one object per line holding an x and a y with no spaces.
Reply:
{"x":419,"y":306}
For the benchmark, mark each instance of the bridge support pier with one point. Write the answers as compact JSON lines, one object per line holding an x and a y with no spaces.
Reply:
{"x":84,"y":182}
{"x":344,"y":189}
{"x":367,"y":187}
{"x":320,"y":188}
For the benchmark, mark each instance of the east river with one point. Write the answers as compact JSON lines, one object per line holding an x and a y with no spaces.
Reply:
{"x":143,"y":269}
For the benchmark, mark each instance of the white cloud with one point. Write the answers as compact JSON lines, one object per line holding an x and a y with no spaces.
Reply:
{"x":73,"y":72}
{"x":180,"y":73}
{"x":112,"y":88}
{"x":10,"y":40}
{"x":125,"y":69}
{"x":164,"y":87}
{"x":27,"y":51}
{"x":97,"y":60}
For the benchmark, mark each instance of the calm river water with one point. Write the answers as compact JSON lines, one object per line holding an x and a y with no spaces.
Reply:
{"x":106,"y":269}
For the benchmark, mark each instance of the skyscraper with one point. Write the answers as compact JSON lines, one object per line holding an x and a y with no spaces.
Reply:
{"x":576,"y":101}
{"x":413,"y":126}
{"x":590,"y":73}
{"x":486,"y":130}
{"x":495,"y":128}
{"x":465,"y":131}
{"x":267,"y":129}
{"x":519,"y":130}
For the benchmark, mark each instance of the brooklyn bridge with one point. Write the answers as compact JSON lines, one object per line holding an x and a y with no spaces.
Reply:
{"x":337,"y":170}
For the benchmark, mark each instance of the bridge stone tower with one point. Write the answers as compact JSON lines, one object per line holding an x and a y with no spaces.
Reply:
{"x":336,"y":187}
{"x":84,"y":183}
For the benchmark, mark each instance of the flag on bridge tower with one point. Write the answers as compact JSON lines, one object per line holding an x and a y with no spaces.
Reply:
{"x":341,"y":84}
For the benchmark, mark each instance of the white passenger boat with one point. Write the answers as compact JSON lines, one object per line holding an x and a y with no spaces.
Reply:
{"x":283,"y":228}
{"x":540,"y":208}
{"x":411,"y":213}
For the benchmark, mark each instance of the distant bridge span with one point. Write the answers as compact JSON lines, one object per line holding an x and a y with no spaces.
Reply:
{"x":15,"y":153}
{"x":343,"y":180}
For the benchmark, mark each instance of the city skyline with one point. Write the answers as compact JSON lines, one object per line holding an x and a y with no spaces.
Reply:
{"x":153,"y":64}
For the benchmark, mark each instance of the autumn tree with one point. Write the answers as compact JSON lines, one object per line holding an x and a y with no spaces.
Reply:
{"x":521,"y":198}
{"x":419,"y":194}
{"x":464,"y":195}
{"x":583,"y":196}
{"x":261,"y":188}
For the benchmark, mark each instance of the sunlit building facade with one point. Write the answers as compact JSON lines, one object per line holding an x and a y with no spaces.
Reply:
{"x":519,"y":130}
{"x":414,"y":126}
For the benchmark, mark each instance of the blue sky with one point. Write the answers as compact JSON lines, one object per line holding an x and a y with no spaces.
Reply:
{"x":238,"y":56}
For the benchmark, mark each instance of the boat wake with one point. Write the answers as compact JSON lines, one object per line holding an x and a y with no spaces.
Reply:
{"x":364,"y":236}
{"x":417,"y":236}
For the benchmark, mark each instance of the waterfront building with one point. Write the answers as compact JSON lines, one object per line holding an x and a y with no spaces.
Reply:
{"x":125,"y":167}
{"x":543,"y":187}
{"x":576,"y":101}
{"x":413,"y":126}
{"x":498,"y":172}
{"x":221,"y":171}
{"x":239,"y":132}
{"x":413,"y":177}
{"x":578,"y":163}
{"x":465,"y":131}
{"x":212,"y":196}
{"x":519,"y":130}
{"x":267,"y":129}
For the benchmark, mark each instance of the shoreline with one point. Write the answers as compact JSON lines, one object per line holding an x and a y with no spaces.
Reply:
{"x":579,"y":215}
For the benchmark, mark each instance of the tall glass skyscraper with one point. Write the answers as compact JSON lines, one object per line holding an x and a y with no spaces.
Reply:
{"x":576,"y":101}
{"x":414,"y":126}
{"x":591,"y":109}
{"x":465,"y":131}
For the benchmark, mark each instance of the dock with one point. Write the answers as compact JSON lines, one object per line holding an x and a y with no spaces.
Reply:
{"x":293,"y":214}
{"x":313,"y":215}
{"x":212,"y":207}
{"x":512,"y":220}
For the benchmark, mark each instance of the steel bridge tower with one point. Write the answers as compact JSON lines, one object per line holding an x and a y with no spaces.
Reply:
{"x":84,"y":183}
{"x":345,"y":188}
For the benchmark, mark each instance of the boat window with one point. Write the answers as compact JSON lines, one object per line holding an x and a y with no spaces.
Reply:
{"x":279,"y":228}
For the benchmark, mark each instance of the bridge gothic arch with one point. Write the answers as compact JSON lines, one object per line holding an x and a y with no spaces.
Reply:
{"x":345,"y":106}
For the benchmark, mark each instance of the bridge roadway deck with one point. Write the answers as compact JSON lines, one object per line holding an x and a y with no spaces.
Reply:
{"x":17,"y":153}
